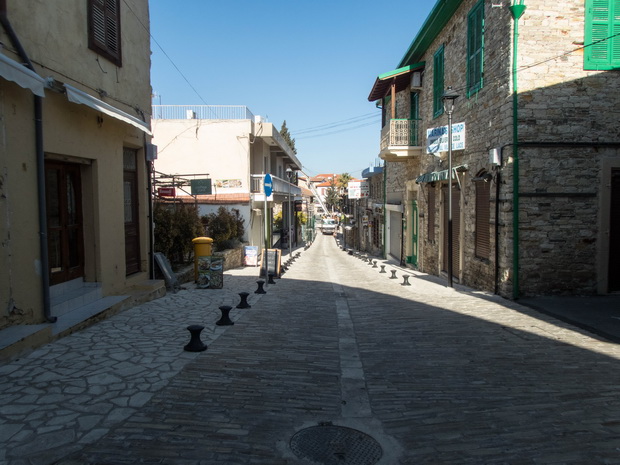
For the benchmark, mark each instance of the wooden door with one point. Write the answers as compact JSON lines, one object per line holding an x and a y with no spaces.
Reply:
{"x":130,"y":193}
{"x":456,"y":227}
{"x":63,"y":187}
{"x":614,"y":233}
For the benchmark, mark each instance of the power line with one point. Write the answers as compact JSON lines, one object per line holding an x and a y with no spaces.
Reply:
{"x":164,"y":52}
{"x":337,"y":132}
{"x":344,"y":122}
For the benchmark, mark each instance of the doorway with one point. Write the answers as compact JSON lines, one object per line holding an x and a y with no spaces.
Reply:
{"x":65,"y":236}
{"x":456,"y":229}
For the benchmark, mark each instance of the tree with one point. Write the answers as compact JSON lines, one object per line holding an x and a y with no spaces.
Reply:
{"x":287,"y":137}
{"x":332,"y":196}
{"x":343,"y":182}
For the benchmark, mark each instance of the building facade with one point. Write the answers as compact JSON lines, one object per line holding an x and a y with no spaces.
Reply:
{"x":535,"y":148}
{"x":75,"y":135}
{"x":234,"y":149}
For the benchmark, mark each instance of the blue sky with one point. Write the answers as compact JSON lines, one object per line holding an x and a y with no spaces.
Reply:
{"x":309,"y":62}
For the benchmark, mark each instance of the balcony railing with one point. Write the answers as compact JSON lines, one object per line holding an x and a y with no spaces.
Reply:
{"x":400,"y":132}
{"x":202,"y":112}
{"x":280,"y":186}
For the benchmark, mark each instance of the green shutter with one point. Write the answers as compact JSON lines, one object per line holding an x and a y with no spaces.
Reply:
{"x":438,"y":83}
{"x":414,"y":110}
{"x":602,"y":23}
{"x":475,"y":48}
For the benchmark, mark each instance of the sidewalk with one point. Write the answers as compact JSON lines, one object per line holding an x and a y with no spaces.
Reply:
{"x":337,"y":363}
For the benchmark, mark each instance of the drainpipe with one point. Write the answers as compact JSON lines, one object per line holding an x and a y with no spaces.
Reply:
{"x":384,"y":207}
{"x":40,"y":155}
{"x":517,"y":11}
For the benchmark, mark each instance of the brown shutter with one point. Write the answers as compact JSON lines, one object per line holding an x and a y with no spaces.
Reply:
{"x":483,"y":219}
{"x":104,"y":23}
{"x":431,"y":213}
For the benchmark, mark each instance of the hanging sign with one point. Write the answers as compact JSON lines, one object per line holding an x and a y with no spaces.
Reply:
{"x":437,"y":138}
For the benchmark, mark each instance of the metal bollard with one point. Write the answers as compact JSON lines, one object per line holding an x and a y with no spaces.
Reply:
{"x":393,"y":275}
{"x":225,"y":320}
{"x":244,"y":300}
{"x":195,"y":344}
{"x":405,"y":280}
{"x":260,"y":289}
{"x":382,"y":269}
{"x":271,"y":281}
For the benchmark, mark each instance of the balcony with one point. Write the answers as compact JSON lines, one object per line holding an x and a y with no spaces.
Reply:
{"x":400,"y":141}
{"x":280,"y":187}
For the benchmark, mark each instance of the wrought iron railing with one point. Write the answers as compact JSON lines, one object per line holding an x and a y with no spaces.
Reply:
{"x":400,"y":132}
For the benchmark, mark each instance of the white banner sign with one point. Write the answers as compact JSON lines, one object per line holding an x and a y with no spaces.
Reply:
{"x":437,"y":138}
{"x":358,"y":189}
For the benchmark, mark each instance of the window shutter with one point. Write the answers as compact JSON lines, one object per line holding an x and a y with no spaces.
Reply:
{"x":431,"y":213}
{"x":104,"y":29}
{"x":602,"y":23}
{"x":483,"y":219}
{"x":438,"y":81}
{"x":475,"y":48}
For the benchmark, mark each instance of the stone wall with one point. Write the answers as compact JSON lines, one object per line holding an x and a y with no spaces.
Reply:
{"x":559,"y":104}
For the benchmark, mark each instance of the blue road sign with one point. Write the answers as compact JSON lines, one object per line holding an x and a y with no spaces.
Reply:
{"x":268,"y":185}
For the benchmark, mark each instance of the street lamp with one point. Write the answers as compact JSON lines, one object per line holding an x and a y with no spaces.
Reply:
{"x":448,"y":98}
{"x":289,"y":175}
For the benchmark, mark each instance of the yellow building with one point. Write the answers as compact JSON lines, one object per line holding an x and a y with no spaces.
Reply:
{"x":74,"y":150}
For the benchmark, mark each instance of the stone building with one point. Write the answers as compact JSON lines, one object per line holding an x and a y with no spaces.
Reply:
{"x":74,"y":158}
{"x":535,"y":146}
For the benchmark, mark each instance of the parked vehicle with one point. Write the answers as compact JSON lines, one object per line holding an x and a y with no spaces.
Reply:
{"x":328,"y":226}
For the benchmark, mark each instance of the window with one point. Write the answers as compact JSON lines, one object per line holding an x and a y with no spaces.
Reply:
{"x":104,"y":29}
{"x":475,"y":47}
{"x":431,"y":214}
{"x":602,"y":21}
{"x":438,"y":84}
{"x":483,"y":219}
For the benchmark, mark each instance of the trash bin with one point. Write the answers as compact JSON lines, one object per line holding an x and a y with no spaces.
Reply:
{"x":202,"y":248}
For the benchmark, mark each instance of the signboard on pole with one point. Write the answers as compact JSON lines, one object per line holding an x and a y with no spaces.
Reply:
{"x":358,"y":189}
{"x":268,"y":183}
{"x":200,"y":186}
{"x":437,"y":138}
{"x":166,"y":191}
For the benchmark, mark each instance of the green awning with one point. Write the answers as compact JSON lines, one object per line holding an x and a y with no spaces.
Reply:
{"x":439,"y":175}
{"x":401,"y":77}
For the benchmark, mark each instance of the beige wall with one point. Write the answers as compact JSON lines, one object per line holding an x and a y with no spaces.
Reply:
{"x":220,"y":148}
{"x":55,"y":38}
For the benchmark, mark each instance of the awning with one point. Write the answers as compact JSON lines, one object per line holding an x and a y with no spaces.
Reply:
{"x":439,"y":175}
{"x":22,"y":76}
{"x":401,"y":77}
{"x":77,"y":96}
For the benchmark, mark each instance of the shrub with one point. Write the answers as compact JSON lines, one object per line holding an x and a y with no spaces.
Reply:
{"x":175,"y":227}
{"x":226,"y":228}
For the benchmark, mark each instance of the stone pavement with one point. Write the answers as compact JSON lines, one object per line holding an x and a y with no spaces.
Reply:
{"x":432,"y":374}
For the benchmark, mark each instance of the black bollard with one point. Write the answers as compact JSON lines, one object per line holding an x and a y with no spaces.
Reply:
{"x":271,"y":281}
{"x":374,"y":264}
{"x":393,"y":275}
{"x":225,"y":320}
{"x":260,"y":289}
{"x":382,"y":269}
{"x":244,"y":300}
{"x":370,"y":261}
{"x":195,"y":344}
{"x":350,"y":252}
{"x":405,"y":280}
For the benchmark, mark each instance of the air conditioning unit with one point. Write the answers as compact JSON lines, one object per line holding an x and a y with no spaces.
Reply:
{"x":416,"y":79}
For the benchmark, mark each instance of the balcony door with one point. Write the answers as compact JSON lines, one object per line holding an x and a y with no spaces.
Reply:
{"x":63,"y":188}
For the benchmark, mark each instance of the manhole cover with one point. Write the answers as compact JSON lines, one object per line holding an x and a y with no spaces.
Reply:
{"x":328,"y":444}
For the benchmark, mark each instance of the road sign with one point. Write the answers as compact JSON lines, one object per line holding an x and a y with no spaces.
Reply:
{"x":166,"y":191}
{"x":268,"y":185}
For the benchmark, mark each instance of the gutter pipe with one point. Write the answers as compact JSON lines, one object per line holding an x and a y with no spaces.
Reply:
{"x":385,"y":218}
{"x":517,"y":11}
{"x":40,"y":162}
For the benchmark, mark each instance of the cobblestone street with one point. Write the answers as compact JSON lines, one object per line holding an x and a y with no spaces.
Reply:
{"x":432,"y":374}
